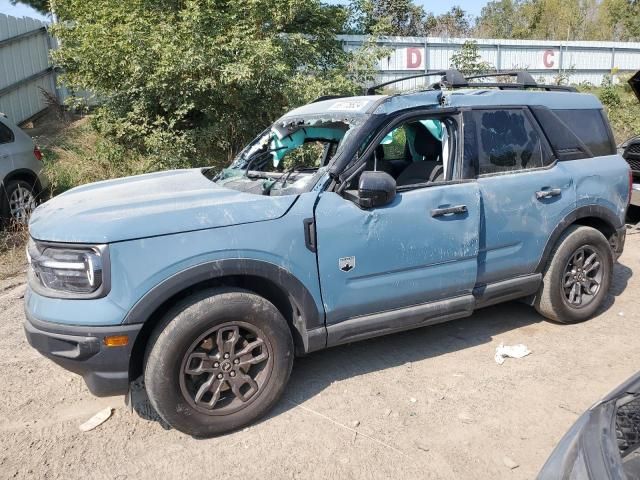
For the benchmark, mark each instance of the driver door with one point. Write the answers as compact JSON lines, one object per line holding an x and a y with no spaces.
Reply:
{"x":409,"y":263}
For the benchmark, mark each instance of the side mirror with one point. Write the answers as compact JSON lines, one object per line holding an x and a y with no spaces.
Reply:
{"x":376,"y":189}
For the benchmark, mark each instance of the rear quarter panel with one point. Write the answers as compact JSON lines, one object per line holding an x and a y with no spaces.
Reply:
{"x":602,"y":181}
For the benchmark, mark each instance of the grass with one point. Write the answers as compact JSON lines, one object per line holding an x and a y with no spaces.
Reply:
{"x":12,"y":250}
{"x":78,"y":154}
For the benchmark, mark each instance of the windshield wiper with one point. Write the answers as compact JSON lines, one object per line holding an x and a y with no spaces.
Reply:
{"x":260,"y":156}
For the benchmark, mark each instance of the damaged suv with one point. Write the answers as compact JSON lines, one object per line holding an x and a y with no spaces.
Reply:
{"x":349,"y":217}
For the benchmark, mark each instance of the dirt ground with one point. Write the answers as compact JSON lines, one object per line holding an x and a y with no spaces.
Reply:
{"x":429,"y":403}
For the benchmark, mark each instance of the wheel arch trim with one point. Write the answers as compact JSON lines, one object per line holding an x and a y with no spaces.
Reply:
{"x":586,"y":211}
{"x":22,"y":174}
{"x":311,"y":328}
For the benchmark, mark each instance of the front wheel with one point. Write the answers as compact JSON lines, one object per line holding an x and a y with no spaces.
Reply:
{"x":577,"y":279}
{"x":218,"y":361}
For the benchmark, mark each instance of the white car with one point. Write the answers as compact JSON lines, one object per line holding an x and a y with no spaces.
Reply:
{"x":21,"y":178}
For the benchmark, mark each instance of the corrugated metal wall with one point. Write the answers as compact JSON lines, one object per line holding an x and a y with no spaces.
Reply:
{"x":545,"y":60}
{"x":24,"y":66}
{"x":25,"y":44}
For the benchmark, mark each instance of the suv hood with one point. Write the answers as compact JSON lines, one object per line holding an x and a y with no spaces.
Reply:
{"x":635,"y":84}
{"x":149,"y":205}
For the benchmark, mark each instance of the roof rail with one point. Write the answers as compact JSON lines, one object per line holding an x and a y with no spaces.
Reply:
{"x":524,"y":78}
{"x":452,"y":78}
{"x":523,"y":81}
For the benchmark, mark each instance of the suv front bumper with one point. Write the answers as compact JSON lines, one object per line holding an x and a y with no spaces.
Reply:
{"x":82,"y":350}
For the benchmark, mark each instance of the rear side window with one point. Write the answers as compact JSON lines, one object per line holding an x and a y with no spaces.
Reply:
{"x":590,"y":127}
{"x":505,"y":141}
{"x":6,"y":135}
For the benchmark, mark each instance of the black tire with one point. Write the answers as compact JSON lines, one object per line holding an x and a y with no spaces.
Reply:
{"x":177,"y":346}
{"x":6,"y":218}
{"x":557,"y":302}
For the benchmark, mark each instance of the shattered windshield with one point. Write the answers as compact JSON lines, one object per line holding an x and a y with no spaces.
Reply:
{"x":292,"y":155}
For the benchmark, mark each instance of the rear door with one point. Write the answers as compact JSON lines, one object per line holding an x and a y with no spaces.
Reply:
{"x":524,"y":192}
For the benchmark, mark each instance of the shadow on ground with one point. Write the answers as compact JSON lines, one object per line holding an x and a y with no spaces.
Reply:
{"x":315,"y":372}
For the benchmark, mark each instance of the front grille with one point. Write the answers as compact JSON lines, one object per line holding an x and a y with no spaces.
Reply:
{"x":628,"y":424}
{"x":634,"y":163}
{"x":634,"y":148}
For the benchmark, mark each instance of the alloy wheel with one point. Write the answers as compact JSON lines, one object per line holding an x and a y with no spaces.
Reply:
{"x":582,"y":277}
{"x":21,"y":203}
{"x":225,"y":369}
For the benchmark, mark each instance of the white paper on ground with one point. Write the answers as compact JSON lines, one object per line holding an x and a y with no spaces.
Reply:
{"x":512,"y":351}
{"x":98,"y":419}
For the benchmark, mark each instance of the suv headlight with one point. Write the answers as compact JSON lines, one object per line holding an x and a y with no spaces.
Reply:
{"x":68,"y":271}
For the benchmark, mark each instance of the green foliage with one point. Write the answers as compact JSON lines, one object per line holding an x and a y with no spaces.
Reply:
{"x":387,"y":17}
{"x":405,"y":18}
{"x":190,"y":82}
{"x":454,"y":23}
{"x":561,"y":19}
{"x":468,"y":60}
{"x":609,"y":94}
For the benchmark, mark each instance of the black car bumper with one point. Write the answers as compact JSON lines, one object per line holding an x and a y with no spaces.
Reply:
{"x":82,"y":350}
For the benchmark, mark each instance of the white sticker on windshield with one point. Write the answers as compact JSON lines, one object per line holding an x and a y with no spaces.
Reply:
{"x":349,"y":105}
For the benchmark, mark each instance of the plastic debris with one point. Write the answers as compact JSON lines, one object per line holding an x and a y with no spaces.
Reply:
{"x":511,"y":351}
{"x":509,"y":463}
{"x":98,"y":419}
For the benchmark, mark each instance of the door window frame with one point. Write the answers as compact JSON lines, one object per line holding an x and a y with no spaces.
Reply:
{"x":547,"y":150}
{"x":356,"y":166}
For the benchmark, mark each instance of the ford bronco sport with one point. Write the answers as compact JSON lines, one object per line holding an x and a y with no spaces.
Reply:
{"x":349,"y":217}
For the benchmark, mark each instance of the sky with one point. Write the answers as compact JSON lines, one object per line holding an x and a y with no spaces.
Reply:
{"x":19,"y":10}
{"x":472,"y":7}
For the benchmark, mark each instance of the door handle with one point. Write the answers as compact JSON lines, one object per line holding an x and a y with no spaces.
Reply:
{"x":457,"y":210}
{"x":551,"y":192}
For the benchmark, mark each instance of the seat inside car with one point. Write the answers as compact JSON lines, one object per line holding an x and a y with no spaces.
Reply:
{"x":427,"y":157}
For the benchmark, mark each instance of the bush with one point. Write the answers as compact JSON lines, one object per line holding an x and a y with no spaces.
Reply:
{"x":189,"y":83}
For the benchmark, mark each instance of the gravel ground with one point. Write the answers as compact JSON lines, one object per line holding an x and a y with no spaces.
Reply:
{"x":429,"y":403}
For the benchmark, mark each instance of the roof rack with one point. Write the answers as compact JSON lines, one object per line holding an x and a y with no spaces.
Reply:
{"x":455,"y":79}
{"x":452,"y":78}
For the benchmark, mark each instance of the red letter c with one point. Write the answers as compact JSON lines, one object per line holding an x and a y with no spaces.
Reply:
{"x":547,"y":58}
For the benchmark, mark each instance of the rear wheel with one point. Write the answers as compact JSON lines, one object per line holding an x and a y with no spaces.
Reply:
{"x":218,"y":361}
{"x":577,"y":279}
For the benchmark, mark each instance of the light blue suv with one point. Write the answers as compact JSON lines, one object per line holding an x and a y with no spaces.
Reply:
{"x":349,"y":217}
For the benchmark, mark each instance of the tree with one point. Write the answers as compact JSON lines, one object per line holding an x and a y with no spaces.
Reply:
{"x":468,"y":60}
{"x":190,"y":81}
{"x":454,"y":23}
{"x":388,"y":17}
{"x":499,"y":19}
{"x":622,"y":17}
